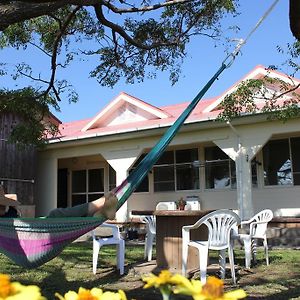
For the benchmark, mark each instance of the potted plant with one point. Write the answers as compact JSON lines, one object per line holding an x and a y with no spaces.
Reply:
{"x":180,"y":203}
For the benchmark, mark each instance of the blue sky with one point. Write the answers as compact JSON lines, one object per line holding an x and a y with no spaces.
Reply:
{"x":202,"y":62}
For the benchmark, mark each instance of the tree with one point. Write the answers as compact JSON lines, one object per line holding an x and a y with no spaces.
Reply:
{"x":131,"y":39}
{"x":294,"y":16}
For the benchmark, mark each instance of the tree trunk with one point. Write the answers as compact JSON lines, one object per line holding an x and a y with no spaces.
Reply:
{"x":295,"y":18}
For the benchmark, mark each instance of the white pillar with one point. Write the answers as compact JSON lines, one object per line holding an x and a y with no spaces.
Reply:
{"x":46,"y":183}
{"x":121,"y":166}
{"x":244,"y":185}
{"x":241,"y":147}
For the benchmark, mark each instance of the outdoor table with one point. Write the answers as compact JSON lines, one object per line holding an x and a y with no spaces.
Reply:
{"x":169,"y":236}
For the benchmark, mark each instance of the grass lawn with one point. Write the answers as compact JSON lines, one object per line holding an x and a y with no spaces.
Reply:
{"x":73,"y":268}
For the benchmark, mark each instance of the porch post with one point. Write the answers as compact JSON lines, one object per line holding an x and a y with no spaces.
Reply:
{"x":121,"y":159}
{"x":244,"y":185}
{"x":121,"y":166}
{"x":242,"y":146}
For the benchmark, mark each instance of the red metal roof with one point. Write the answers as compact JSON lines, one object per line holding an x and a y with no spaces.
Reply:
{"x":163,"y":116}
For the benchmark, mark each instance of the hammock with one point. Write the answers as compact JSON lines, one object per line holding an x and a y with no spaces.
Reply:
{"x":31,"y":242}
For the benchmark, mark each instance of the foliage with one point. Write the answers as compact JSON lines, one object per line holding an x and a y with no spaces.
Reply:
{"x":128,"y":41}
{"x":276,"y":97}
{"x":125,"y":39}
{"x":180,"y":203}
{"x":32,"y":113}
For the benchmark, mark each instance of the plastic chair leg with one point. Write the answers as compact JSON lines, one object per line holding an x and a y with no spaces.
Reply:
{"x":254,"y":249}
{"x":96,"y":249}
{"x":248,"y":251}
{"x":185,"y":248}
{"x":203,"y":256}
{"x":266,"y":250}
{"x":121,"y":256}
{"x":231,"y":262}
{"x":222,"y":262}
{"x":148,"y":247}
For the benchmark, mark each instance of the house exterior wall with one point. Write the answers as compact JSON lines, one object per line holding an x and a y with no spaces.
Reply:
{"x":244,"y":139}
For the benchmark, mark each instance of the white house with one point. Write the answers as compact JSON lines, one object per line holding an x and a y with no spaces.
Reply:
{"x":249,"y":164}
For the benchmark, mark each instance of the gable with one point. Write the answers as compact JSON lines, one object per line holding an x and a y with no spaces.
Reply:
{"x":269,"y":90}
{"x":125,"y":109}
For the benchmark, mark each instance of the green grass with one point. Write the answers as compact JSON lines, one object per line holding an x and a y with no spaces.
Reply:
{"x":73,"y":268}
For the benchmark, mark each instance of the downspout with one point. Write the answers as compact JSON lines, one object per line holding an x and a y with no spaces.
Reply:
{"x":240,"y":171}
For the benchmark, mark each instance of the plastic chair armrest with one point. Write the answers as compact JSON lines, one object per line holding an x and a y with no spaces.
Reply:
{"x":188,"y":227}
{"x":246,"y":222}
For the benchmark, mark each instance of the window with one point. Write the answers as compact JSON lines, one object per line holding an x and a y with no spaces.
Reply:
{"x":87,"y":185}
{"x":254,"y":164}
{"x":281,"y":162}
{"x":295,"y":149}
{"x":144,"y":185}
{"x":277,"y":164}
{"x":163,"y":173}
{"x":187,"y":169}
{"x":178,"y":169}
{"x":219,"y":169}
{"x":112,"y":179}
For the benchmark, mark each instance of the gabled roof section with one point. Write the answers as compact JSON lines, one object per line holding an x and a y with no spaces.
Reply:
{"x":257,"y":73}
{"x":125,"y":109}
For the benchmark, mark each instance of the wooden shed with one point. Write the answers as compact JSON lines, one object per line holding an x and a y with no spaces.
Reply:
{"x":17,"y":166}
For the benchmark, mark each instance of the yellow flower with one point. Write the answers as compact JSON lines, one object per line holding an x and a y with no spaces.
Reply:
{"x":189,"y":287}
{"x":165,"y":277}
{"x":16,"y":291}
{"x":213,"y":289}
{"x":93,"y":294}
{"x":5,"y":286}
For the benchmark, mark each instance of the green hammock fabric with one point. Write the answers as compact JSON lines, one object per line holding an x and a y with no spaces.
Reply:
{"x":33,"y":242}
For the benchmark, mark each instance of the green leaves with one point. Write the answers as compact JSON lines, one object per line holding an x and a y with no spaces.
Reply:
{"x":34,"y":118}
{"x":273,"y":96}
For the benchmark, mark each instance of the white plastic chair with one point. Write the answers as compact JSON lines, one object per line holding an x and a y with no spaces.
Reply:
{"x":219,"y":224}
{"x":257,"y":230}
{"x":150,"y":222}
{"x":115,"y":239}
{"x":192,"y":205}
{"x":166,"y":205}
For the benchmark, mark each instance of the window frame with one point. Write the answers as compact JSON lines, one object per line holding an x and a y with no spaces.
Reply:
{"x":290,"y":158}
{"x":174,"y":167}
{"x":87,"y":193}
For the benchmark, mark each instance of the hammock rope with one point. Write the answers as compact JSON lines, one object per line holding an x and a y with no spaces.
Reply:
{"x":31,"y":242}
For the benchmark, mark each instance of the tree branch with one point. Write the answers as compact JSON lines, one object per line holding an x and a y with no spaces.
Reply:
{"x":116,"y":28}
{"x":55,"y":50}
{"x":295,"y":18}
{"x":143,"y":8}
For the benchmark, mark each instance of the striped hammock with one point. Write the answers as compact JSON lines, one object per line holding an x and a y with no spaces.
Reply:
{"x":31,"y":242}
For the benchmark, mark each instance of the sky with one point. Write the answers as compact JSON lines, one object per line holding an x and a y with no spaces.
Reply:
{"x":202,"y":62}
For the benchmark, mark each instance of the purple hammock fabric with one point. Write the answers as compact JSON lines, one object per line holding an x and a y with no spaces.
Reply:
{"x":31,"y":242}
